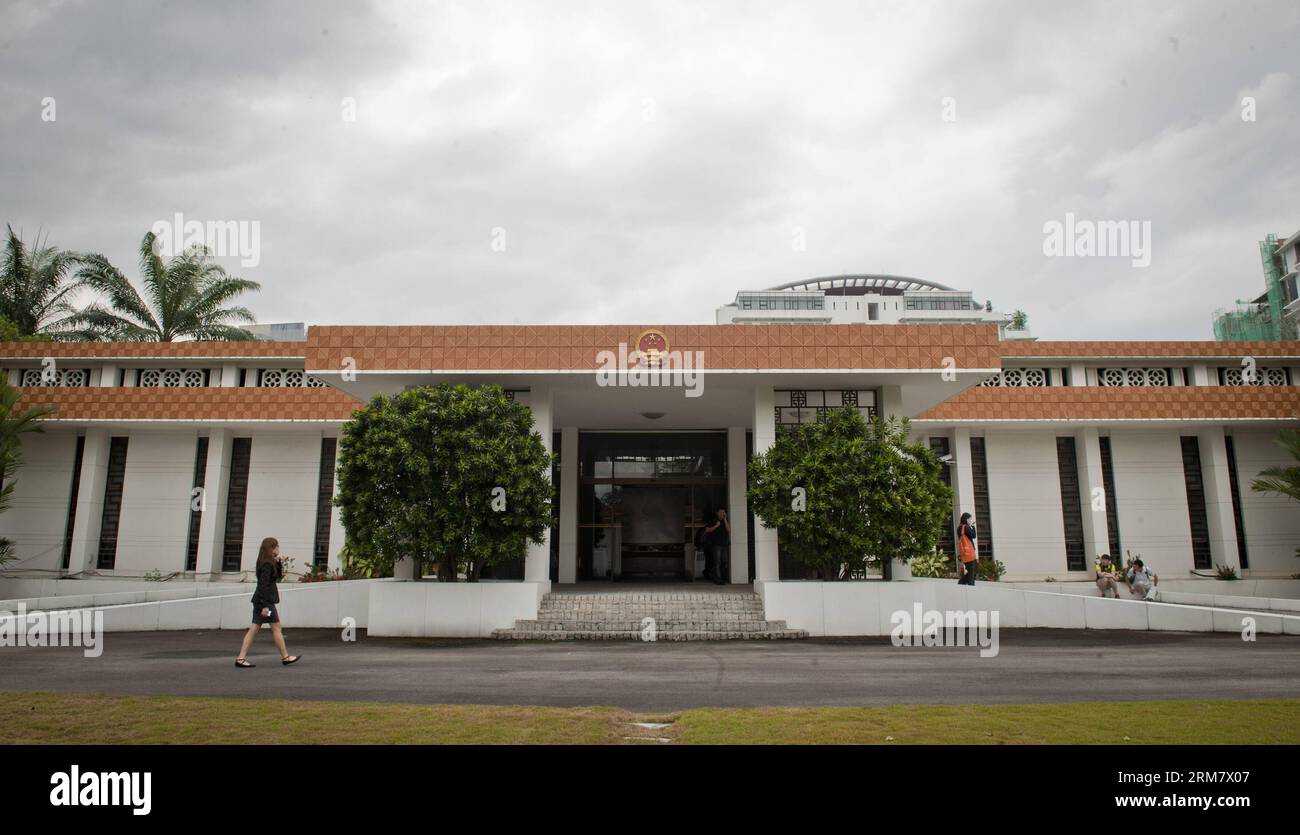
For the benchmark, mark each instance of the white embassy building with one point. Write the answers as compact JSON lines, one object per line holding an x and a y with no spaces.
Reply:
{"x":1170,"y":433}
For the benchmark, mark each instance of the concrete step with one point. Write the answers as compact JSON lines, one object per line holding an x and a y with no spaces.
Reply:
{"x":703,"y":624}
{"x":678,"y":616}
{"x":682,"y":635}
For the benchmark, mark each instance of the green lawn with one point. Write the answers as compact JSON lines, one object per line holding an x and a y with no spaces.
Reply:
{"x":45,"y":718}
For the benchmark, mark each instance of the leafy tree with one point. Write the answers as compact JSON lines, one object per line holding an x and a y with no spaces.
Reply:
{"x":185,"y":298}
{"x":35,"y":290}
{"x":1284,"y":481}
{"x":14,"y":423}
{"x":444,"y":473}
{"x":868,"y":493}
{"x":1019,"y":320}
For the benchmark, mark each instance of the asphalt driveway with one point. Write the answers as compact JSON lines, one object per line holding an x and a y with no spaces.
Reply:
{"x":1033,"y":665}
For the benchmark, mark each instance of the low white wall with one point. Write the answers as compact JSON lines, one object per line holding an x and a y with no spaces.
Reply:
{"x":1274,"y":589}
{"x":138,"y":593}
{"x":21,"y":587}
{"x":451,"y":610}
{"x":307,"y":606}
{"x":866,"y":608}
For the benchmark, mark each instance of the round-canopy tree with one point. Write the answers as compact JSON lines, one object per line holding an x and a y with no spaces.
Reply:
{"x":845,"y":490}
{"x":444,"y":473}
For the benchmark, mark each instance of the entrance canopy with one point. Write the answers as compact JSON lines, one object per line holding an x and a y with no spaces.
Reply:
{"x":706,"y":375}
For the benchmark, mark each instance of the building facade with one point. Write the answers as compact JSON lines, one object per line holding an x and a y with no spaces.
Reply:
{"x":181,"y":457}
{"x":1276,"y":313}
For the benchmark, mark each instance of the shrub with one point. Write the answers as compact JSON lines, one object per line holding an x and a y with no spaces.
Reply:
{"x":989,"y":570}
{"x":934,"y":564}
{"x":845,"y":491}
{"x":1225,"y":572}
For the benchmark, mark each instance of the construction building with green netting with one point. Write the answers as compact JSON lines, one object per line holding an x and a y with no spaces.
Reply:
{"x":1275,"y":314}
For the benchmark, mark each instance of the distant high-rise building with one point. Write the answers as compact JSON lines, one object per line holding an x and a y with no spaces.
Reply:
{"x":1276,"y":313}
{"x":279,"y":331}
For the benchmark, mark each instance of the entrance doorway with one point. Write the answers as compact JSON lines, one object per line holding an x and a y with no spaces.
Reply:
{"x":643,"y":497}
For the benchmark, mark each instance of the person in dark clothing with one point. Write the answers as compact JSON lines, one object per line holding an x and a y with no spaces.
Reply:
{"x":265,"y":598}
{"x":719,"y":542}
{"x":968,"y":557}
{"x":702,"y":547}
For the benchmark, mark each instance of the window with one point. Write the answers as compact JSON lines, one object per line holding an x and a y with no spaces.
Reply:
{"x":1067,"y":465}
{"x":1112,"y":507}
{"x":1195,"y":486}
{"x":1237,"y":520}
{"x":172,"y":378}
{"x":232,"y":551}
{"x":1271,"y":376}
{"x":1019,"y":378}
{"x":197,"y":501}
{"x":800,"y":406}
{"x":1119,"y":377}
{"x":286,"y":378}
{"x":62,"y":378}
{"x":112,"y":503}
{"x":324,"y":502}
{"x":70,"y":525}
{"x":980,"y":477}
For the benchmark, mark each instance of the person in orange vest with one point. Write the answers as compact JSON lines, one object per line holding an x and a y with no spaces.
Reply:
{"x":966,"y":554}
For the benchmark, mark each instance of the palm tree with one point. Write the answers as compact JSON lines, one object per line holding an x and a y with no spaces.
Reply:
{"x":13,"y":425}
{"x":1284,"y":481}
{"x":185,"y":299}
{"x":35,"y":292}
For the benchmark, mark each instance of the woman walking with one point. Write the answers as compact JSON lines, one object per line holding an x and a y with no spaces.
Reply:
{"x":966,"y":551}
{"x":265,"y":596}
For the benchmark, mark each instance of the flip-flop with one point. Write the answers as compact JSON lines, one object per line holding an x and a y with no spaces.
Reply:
{"x":240,"y":662}
{"x":291,"y":659}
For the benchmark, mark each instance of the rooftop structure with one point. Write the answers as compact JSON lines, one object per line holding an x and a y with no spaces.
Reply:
{"x":864,"y":299}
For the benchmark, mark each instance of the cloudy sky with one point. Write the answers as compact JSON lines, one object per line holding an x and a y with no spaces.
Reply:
{"x":556,"y":162}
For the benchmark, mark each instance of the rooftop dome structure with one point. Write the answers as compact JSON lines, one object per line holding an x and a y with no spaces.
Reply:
{"x":860,"y":285}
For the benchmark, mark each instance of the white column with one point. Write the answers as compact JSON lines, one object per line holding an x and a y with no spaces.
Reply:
{"x":1092,"y":492}
{"x":338,"y":535}
{"x":569,"y":504}
{"x":229,"y":375}
{"x":891,"y":401}
{"x":1201,"y":375}
{"x":107,"y":376}
{"x":1078,"y":374}
{"x":767,"y":564}
{"x":963,"y":482}
{"x":537,"y":564}
{"x":216,"y":483}
{"x":1218,"y":498}
{"x":89,"y":514}
{"x":738,"y":503}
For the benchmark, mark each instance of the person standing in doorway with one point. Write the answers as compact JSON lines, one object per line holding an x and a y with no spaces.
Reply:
{"x":967,"y":556}
{"x":718,"y":536}
{"x":265,"y":598}
{"x":702,"y":546}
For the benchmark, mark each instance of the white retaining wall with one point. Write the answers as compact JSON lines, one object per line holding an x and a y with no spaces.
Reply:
{"x":451,"y":610}
{"x":307,"y":606}
{"x":866,"y":608}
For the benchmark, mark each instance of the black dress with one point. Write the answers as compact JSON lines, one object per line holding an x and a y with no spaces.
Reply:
{"x":266,"y":595}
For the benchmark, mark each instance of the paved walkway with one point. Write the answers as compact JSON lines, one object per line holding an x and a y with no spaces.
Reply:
{"x":1033,"y":666}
